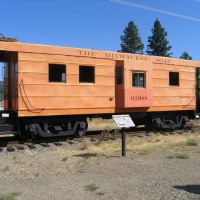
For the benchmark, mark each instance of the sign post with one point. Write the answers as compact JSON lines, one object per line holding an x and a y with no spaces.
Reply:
{"x":123,"y":121}
{"x":123,"y":142}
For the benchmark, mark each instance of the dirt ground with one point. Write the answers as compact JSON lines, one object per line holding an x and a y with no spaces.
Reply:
{"x":158,"y":167}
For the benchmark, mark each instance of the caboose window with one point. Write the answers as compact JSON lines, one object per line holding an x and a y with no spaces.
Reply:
{"x":57,"y":73}
{"x":174,"y":78}
{"x":138,"y":79}
{"x":86,"y":74}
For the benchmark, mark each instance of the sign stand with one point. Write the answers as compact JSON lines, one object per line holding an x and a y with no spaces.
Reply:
{"x":123,"y":121}
{"x":123,"y":142}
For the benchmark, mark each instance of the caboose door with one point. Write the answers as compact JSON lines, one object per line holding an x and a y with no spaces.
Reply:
{"x":10,"y":80}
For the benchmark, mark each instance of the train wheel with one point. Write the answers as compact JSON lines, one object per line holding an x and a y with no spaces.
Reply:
{"x":81,"y":129}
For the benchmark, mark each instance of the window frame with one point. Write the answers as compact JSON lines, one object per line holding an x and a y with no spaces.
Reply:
{"x":172,"y":76}
{"x":61,"y":69}
{"x":83,"y":71}
{"x":138,"y":83}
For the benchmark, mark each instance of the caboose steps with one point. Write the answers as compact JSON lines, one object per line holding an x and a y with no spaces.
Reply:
{"x":7,"y":128}
{"x":6,"y":122}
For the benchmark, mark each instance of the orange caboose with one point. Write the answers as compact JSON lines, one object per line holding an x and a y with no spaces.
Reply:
{"x":50,"y":90}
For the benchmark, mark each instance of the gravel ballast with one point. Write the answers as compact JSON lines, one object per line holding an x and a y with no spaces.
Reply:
{"x":69,"y":172}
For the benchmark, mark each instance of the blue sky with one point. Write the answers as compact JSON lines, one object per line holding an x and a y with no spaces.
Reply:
{"x":98,"y":24}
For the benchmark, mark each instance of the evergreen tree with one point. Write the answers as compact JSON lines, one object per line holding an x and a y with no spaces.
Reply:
{"x":157,"y":43}
{"x":131,"y":40}
{"x":185,"y":55}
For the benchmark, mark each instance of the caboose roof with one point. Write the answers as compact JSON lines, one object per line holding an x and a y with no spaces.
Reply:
{"x":71,"y":51}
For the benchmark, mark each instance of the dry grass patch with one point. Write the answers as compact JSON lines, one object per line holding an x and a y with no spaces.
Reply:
{"x":6,"y":168}
{"x":145,"y":145}
{"x":101,"y":124}
{"x":85,"y":145}
{"x":73,"y":159}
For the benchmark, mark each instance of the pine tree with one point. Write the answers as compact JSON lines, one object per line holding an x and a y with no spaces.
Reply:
{"x":185,"y":55}
{"x":131,"y":40}
{"x":157,"y":43}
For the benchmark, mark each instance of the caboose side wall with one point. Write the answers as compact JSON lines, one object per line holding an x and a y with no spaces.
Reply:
{"x":39,"y":97}
{"x":33,"y":81}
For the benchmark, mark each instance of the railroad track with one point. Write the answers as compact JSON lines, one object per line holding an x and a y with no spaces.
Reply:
{"x":12,"y":143}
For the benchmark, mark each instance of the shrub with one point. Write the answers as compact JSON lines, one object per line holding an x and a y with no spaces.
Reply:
{"x":10,"y":196}
{"x":183,"y":155}
{"x":192,"y":142}
{"x":91,"y":187}
{"x":65,"y":158}
{"x":104,"y":135}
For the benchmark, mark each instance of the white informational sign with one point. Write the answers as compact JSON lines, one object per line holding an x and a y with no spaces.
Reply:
{"x":123,"y":121}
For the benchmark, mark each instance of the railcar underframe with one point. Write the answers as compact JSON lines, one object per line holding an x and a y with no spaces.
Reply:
{"x":34,"y":127}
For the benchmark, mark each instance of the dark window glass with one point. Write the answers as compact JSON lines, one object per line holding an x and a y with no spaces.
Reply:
{"x":138,"y":79}
{"x":119,"y":78}
{"x":57,"y":73}
{"x":86,"y":74}
{"x":174,"y":78}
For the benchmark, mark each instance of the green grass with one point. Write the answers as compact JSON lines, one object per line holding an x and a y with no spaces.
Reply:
{"x":183,"y":155}
{"x":192,"y":142}
{"x":144,"y":151}
{"x":37,"y":174}
{"x":91,"y":187}
{"x":88,"y":155}
{"x":6,"y":168}
{"x":65,"y":158}
{"x":100,"y":193}
{"x":171,"y":157}
{"x":10,"y":196}
{"x":104,"y":135}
